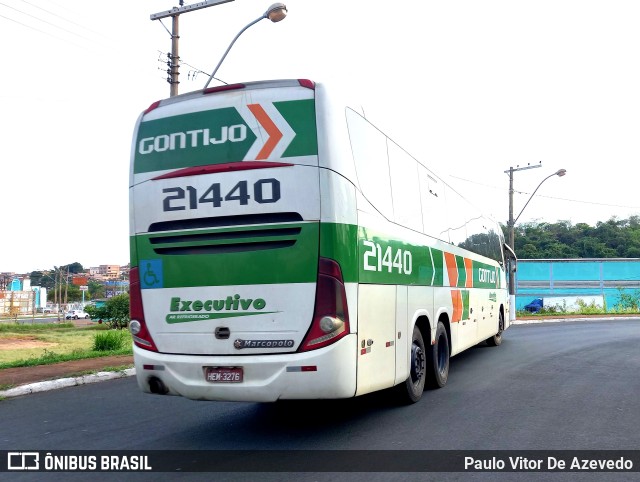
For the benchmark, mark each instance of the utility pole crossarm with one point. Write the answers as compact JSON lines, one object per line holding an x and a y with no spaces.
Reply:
{"x":187,"y":8}
{"x":174,"y":13}
{"x":518,"y":168}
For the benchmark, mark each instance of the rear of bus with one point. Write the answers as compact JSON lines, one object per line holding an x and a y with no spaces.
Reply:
{"x":230,"y":297}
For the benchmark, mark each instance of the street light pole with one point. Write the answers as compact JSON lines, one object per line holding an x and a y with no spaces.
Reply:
{"x":559,"y":173}
{"x":275,"y":13}
{"x":512,"y":223}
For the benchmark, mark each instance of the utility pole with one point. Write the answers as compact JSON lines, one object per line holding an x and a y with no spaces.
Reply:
{"x":512,"y":222}
{"x":55,"y":291}
{"x":511,"y":226}
{"x":66,"y":286}
{"x":174,"y":13}
{"x":58,"y":291}
{"x":174,"y":60}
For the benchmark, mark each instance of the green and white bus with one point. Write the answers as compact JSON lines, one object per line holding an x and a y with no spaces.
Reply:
{"x":282,"y":247}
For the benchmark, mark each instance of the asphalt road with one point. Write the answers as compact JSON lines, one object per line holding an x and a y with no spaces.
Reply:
{"x":560,"y":386}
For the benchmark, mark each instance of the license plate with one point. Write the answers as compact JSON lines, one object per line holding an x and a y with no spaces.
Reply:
{"x":223,"y":374}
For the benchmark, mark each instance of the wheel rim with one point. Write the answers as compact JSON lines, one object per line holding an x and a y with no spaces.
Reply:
{"x":418,"y":361}
{"x":443,"y":354}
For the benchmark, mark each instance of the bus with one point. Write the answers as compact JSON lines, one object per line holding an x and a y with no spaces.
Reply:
{"x":283,"y":247}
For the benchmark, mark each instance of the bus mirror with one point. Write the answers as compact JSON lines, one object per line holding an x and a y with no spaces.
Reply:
{"x":511,"y":258}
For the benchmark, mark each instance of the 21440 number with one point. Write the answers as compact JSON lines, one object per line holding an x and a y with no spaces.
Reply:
{"x":263,"y":191}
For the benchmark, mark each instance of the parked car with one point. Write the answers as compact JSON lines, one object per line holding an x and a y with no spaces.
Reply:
{"x":76,"y":314}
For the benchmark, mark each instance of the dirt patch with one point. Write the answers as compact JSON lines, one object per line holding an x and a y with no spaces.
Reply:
{"x":23,"y":375}
{"x":23,"y":343}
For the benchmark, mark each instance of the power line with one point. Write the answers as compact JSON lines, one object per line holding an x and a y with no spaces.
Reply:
{"x":45,"y":21}
{"x":63,"y":18}
{"x":38,"y":30}
{"x":549,"y":197}
{"x":192,"y":73}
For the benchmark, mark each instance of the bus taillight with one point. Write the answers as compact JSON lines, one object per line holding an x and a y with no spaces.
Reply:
{"x":331,"y":316}
{"x":137,"y":326}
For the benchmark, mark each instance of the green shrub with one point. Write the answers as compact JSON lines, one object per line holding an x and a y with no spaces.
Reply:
{"x":115,"y":313}
{"x":111,"y":340}
{"x":627,"y":302}
{"x":585,"y":308}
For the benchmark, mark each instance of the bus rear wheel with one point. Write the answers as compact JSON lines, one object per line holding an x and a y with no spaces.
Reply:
{"x":438,"y":359}
{"x":496,"y":339}
{"x":411,"y":390}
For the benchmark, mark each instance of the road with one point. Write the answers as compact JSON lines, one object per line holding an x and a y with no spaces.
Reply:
{"x":560,"y":386}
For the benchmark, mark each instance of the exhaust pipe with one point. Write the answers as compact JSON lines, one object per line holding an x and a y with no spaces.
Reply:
{"x":157,"y":386}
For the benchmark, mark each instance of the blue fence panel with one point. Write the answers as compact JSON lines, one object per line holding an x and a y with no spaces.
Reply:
{"x":569,"y":271}
{"x":577,"y":278}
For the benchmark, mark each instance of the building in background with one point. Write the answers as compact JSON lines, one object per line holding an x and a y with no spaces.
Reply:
{"x":105,"y":271}
{"x":18,"y":298}
{"x":116,"y":287}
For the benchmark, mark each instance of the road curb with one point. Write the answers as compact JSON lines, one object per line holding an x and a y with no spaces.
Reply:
{"x":66,"y":382}
{"x":533,"y":321}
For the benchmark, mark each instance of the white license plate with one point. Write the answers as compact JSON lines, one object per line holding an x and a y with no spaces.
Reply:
{"x":223,"y":374}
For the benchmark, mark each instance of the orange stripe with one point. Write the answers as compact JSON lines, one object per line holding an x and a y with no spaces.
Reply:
{"x":452,"y":268}
{"x":274,"y":133}
{"x":456,"y":299}
{"x":468,"y":267}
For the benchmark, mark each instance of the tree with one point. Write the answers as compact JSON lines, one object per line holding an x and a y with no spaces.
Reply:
{"x":74,"y":268}
{"x":96,"y":290}
{"x":115,"y":312}
{"x":38,"y":278}
{"x":615,"y":238}
{"x":73,"y":293}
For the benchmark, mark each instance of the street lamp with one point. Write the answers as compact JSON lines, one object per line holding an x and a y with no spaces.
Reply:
{"x":512,"y":222}
{"x":275,"y":13}
{"x":559,"y":173}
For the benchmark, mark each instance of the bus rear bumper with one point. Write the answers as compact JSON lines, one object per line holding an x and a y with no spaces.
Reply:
{"x":329,"y":372}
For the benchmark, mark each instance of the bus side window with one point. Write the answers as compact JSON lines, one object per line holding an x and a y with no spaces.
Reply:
{"x":456,"y":220}
{"x":433,"y":205}
{"x":405,"y":188}
{"x":369,"y":149}
{"x":478,"y":239}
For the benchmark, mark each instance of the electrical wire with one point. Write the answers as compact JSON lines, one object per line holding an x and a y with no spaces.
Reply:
{"x":63,"y":18}
{"x":550,"y":197}
{"x":38,"y":30}
{"x":45,"y":21}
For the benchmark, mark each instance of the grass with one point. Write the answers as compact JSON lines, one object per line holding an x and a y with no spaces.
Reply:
{"x":111,"y":340}
{"x":43,"y":344}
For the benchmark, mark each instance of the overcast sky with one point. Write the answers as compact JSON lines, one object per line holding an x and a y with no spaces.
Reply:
{"x":470,"y":88}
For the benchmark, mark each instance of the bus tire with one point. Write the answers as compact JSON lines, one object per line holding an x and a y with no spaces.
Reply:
{"x":411,"y":390}
{"x":496,"y":339}
{"x":438,"y":357}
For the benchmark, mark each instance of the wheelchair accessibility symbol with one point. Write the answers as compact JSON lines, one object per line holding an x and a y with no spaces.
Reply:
{"x":151,"y":273}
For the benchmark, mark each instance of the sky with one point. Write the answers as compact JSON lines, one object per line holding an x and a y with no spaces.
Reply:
{"x":471,"y":88}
